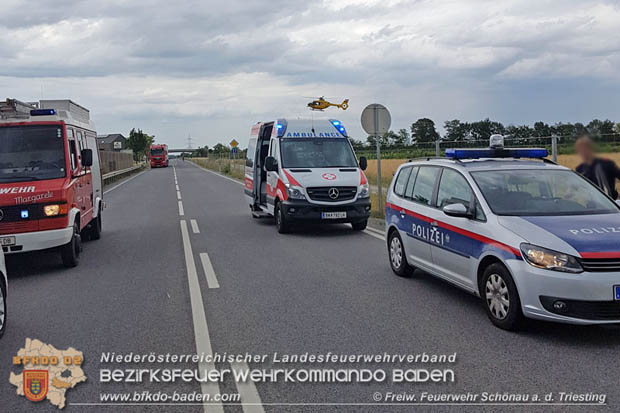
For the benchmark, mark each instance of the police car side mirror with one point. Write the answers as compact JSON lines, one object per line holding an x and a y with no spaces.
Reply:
{"x":456,"y":210}
{"x":87,"y":157}
{"x":271,"y":164}
{"x":363,"y":163}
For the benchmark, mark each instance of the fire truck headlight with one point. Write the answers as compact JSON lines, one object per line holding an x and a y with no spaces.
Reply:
{"x":51,"y":210}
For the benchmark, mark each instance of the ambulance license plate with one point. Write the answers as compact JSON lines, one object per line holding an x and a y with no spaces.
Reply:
{"x":333,"y":215}
{"x":617,"y":292}
{"x":7,"y":241}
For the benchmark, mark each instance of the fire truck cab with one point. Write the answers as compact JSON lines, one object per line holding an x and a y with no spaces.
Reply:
{"x":159,"y":156}
{"x":50,"y":179}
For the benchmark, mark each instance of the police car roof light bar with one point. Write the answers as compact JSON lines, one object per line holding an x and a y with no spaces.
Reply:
{"x":534,"y":153}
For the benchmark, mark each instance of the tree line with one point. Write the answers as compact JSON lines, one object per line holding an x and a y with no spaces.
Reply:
{"x":423,"y":131}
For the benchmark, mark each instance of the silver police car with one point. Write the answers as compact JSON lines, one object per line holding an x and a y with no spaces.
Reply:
{"x":530,"y":237}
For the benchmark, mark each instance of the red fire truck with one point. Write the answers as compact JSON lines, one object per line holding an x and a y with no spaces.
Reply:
{"x":50,"y":179}
{"x":159,"y":156}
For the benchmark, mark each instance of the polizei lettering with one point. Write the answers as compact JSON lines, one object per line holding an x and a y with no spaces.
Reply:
{"x":17,"y":190}
{"x":590,"y":231}
{"x":429,"y":234}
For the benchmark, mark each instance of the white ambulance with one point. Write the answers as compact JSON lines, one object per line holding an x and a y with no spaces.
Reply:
{"x":305,"y":170}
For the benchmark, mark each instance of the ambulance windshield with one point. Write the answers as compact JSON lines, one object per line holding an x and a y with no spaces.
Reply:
{"x":317,"y":153}
{"x":541,"y":192}
{"x":31,"y":153}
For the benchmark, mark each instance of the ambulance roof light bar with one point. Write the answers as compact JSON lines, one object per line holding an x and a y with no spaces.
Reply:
{"x":496,"y":150}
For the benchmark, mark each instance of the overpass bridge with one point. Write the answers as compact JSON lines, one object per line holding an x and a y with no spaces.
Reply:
{"x":181,"y":150}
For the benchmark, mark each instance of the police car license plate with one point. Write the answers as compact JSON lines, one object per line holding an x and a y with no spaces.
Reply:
{"x":333,"y":215}
{"x":617,"y":292}
{"x":7,"y":241}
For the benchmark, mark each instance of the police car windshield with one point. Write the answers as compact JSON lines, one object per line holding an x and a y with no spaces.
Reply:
{"x":31,"y":153}
{"x":541,"y":192}
{"x":317,"y":153}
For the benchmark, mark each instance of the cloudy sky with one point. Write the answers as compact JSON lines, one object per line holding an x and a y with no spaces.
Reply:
{"x":210,"y":69}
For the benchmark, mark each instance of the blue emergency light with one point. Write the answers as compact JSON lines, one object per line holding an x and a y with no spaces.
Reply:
{"x":534,"y":153}
{"x":42,"y":112}
{"x":281,"y":125}
{"x":25,"y":214}
{"x":338,"y":125}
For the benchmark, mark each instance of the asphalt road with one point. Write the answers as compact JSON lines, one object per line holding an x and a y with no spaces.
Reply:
{"x":147,"y":286}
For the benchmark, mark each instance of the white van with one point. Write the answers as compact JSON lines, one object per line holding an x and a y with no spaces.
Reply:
{"x":305,"y":170}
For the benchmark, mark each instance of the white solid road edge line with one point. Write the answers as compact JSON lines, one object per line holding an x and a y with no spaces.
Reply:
{"x":195,"y":228}
{"x":179,"y":195}
{"x":124,"y":182}
{"x":181,"y":211}
{"x":218,"y":174}
{"x":209,"y":272}
{"x":373,"y":234}
{"x":201,"y":330}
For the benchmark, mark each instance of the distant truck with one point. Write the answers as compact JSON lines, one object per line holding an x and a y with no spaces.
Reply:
{"x":50,"y":179}
{"x":159,"y":156}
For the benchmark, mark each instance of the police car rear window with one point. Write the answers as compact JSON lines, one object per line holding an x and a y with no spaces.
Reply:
{"x":541,"y":192}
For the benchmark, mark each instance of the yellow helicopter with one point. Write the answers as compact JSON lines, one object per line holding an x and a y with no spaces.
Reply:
{"x":322,"y":104}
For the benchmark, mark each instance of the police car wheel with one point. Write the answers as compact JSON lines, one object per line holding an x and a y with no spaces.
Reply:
{"x":398,"y":258}
{"x":2,"y":306}
{"x":70,"y":252}
{"x":281,"y":222}
{"x":500,"y":297}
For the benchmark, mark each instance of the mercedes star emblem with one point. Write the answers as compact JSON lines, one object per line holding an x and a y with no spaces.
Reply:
{"x":333,"y":193}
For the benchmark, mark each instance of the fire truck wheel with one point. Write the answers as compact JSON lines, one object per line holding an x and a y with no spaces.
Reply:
{"x":70,"y":252}
{"x":94,"y":231}
{"x":2,"y":306}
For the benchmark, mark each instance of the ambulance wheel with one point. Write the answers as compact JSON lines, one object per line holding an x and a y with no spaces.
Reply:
{"x":95,"y":227}
{"x":500,"y":297}
{"x":2,"y":305}
{"x":70,"y":252}
{"x":359,"y":226}
{"x":398,"y":258}
{"x":281,"y":222}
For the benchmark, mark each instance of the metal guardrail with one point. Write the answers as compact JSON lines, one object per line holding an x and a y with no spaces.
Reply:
{"x":113,"y":176}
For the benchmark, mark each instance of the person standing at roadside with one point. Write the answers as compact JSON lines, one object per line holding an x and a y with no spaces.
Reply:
{"x":602,"y":172}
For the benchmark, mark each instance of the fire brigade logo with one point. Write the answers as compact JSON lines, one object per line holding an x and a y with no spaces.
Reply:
{"x":333,"y":193}
{"x":36,"y":384}
{"x":329,"y":177}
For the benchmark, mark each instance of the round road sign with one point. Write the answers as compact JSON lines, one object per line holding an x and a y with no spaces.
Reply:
{"x":376,"y":119}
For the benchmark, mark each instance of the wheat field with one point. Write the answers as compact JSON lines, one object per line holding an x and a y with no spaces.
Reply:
{"x":389,"y":166}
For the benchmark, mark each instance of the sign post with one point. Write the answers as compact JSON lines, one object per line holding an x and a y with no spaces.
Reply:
{"x":234,"y":144}
{"x":376,"y":121}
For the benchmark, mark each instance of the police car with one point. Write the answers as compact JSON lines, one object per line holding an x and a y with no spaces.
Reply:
{"x":305,"y":171}
{"x":530,"y":237}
